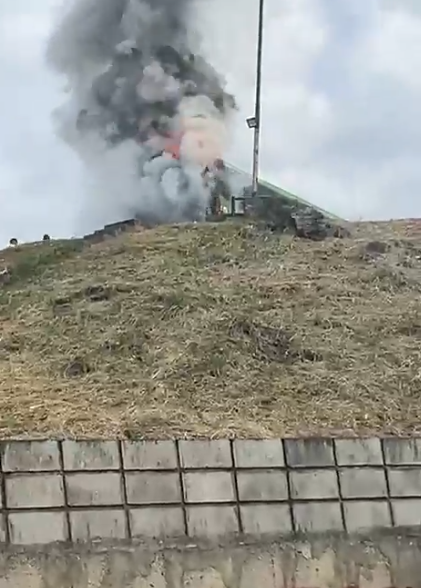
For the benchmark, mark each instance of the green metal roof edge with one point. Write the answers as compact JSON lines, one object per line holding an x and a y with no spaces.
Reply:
{"x":286,"y":194}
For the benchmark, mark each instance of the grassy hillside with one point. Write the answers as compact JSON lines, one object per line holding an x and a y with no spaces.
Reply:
{"x":214,"y":329}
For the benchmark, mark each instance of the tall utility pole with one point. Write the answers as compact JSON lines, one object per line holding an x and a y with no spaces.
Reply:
{"x":257,"y":112}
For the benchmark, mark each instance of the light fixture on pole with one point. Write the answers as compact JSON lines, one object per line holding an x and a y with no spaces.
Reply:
{"x":254,"y":122}
{"x":251,"y":122}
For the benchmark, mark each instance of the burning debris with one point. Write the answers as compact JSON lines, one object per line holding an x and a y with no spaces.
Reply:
{"x":142,"y":105}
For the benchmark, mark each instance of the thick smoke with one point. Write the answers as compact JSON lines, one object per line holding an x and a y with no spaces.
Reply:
{"x":145,"y":113}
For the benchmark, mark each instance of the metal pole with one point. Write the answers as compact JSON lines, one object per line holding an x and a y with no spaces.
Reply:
{"x":256,"y":145}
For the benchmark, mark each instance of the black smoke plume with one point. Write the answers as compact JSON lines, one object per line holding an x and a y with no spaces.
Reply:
{"x":146,"y":113}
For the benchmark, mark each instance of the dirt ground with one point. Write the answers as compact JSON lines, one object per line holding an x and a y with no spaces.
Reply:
{"x":213,"y":330}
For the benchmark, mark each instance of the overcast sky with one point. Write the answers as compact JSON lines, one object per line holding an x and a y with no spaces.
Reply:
{"x":341,"y":107}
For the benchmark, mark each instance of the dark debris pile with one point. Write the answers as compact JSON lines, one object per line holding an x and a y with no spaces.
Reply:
{"x":304,"y":222}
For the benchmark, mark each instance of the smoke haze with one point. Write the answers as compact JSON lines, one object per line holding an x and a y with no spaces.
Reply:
{"x":341,"y":111}
{"x":144,"y":111}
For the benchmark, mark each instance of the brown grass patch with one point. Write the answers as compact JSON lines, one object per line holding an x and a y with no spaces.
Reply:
{"x":213,"y":330}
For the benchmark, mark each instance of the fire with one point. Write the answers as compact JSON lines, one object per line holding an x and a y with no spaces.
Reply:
{"x":200,"y":141}
{"x":203,"y":139}
{"x":173,"y":146}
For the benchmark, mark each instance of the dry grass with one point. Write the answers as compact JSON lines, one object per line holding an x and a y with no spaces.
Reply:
{"x":213,"y":330}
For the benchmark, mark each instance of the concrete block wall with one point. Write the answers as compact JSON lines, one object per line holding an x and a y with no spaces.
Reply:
{"x":77,"y":491}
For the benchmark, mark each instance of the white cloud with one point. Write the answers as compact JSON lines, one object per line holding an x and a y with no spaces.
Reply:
{"x":341,"y":106}
{"x":393,"y":47}
{"x":295,"y":117}
{"x":341,"y":101}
